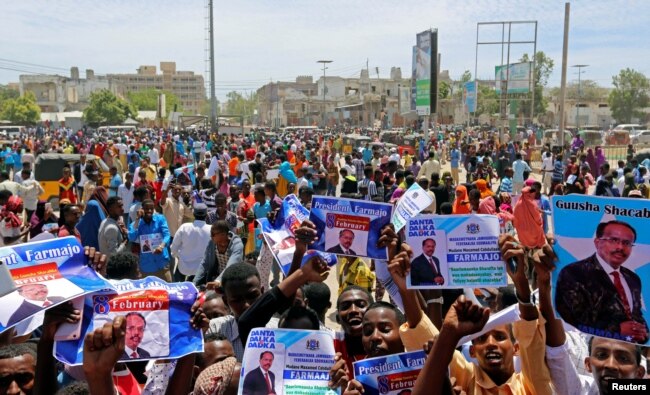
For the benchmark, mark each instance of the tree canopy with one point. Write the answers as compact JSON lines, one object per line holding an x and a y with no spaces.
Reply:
{"x":147,"y":100}
{"x":543,"y":69}
{"x":487,"y":101}
{"x":21,"y":110}
{"x":106,"y":108}
{"x":238,"y":104}
{"x":587,"y":90}
{"x":629,"y":96}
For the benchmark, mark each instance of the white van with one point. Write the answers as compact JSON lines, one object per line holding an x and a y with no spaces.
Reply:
{"x":11,"y":130}
{"x":628,"y":127}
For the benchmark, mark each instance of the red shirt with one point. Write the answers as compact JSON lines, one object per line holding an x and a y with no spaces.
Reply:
{"x":250,"y":153}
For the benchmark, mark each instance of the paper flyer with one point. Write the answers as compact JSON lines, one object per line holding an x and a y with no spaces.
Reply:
{"x":349,"y":227}
{"x":414,"y":200}
{"x":601,"y":280}
{"x":287,"y":362}
{"x":148,"y":243}
{"x":455,"y":251}
{"x":157,"y":320}
{"x":45,"y":274}
{"x":280,"y":235}
{"x":390,"y":375}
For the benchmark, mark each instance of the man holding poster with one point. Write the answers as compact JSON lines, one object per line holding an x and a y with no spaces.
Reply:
{"x":599,"y":293}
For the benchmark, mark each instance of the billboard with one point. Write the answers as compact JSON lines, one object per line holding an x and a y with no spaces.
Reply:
{"x":518,"y":77}
{"x":414,"y":64}
{"x":423,"y":72}
{"x":405,"y":100}
{"x":469,"y":96}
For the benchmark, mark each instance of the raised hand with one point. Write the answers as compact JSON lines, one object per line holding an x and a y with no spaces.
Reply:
{"x":465,"y":318}
{"x":338,"y":373}
{"x":389,"y":239}
{"x":305,"y":235}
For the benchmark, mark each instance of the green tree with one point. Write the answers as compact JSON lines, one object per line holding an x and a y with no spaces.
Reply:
{"x":487,"y":101}
{"x":147,"y":100}
{"x":587,"y":90}
{"x":543,"y":70}
{"x":238,"y":104}
{"x":466,"y":77}
{"x":21,"y":110}
{"x":106,"y":108}
{"x":7,"y":93}
{"x":443,"y":90}
{"x":629,"y":96}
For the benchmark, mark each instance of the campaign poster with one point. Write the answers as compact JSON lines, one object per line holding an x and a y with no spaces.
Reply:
{"x":287,"y":362}
{"x":455,"y":251}
{"x":148,"y":243}
{"x":603,"y":252}
{"x":414,"y":200}
{"x":44,"y":274}
{"x":349,"y":227}
{"x":390,"y":375}
{"x":157,"y":320}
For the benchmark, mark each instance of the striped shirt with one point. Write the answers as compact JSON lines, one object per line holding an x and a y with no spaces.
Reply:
{"x":372,"y":188}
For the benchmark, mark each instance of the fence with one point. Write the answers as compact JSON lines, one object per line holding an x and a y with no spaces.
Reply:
{"x":613,"y":153}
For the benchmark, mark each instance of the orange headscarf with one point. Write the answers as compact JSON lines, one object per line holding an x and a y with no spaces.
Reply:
{"x":528,"y":220}
{"x":483,"y":188}
{"x":461,"y":204}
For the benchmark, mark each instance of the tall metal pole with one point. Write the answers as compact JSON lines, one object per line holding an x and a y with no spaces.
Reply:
{"x":324,"y":63}
{"x":565,"y":51}
{"x":532,"y":80}
{"x":579,"y":66}
{"x":213,"y":95}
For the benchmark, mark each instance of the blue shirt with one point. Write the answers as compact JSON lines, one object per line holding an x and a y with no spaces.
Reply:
{"x":150,"y":262}
{"x":455,"y":158}
{"x":116,"y":181}
{"x":506,"y":185}
{"x":367,"y":155}
{"x":519,"y":167}
{"x":545,"y":205}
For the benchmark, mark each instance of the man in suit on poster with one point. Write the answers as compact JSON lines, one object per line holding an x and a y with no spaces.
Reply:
{"x":425,"y":268}
{"x":346,"y":238}
{"x":135,"y":326}
{"x":598,"y":294}
{"x":35,"y":300}
{"x":261,"y":381}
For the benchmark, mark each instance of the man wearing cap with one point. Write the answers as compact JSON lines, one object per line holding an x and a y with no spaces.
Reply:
{"x":189,"y":244}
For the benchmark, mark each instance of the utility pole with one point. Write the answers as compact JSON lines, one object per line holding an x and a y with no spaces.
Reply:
{"x":324,"y":63}
{"x":579,"y":66}
{"x":565,"y":50}
{"x":213,"y":95}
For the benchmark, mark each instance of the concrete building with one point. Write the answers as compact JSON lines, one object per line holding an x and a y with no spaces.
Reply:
{"x":55,"y":93}
{"x":288,"y":103}
{"x":189,"y":87}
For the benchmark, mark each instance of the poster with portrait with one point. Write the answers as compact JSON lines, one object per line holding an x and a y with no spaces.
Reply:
{"x":280,"y":235}
{"x":148,"y":243}
{"x":287,"y":362}
{"x":349,"y":227}
{"x":456,"y":251}
{"x":390,"y":375}
{"x":40,"y":275}
{"x":157,"y":320}
{"x":600,"y":284}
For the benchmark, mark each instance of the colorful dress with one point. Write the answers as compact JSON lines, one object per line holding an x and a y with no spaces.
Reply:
{"x":66,"y":190}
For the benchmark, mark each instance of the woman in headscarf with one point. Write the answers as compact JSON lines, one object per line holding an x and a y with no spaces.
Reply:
{"x":461,"y":203}
{"x":11,"y":225}
{"x":285,"y":176}
{"x":630,"y":185}
{"x":528,"y":220}
{"x":92,"y":218}
{"x":482,"y":186}
{"x":591,"y":161}
{"x":603,"y":189}
{"x":600,"y":160}
{"x":574,"y":182}
{"x":41,"y":217}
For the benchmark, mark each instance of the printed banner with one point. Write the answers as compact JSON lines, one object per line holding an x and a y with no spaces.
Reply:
{"x":45,"y":274}
{"x":455,"y":251}
{"x":157,"y":320}
{"x":287,"y":362}
{"x":280,"y":236}
{"x":414,"y":200}
{"x":349,"y":227}
{"x":189,"y":170}
{"x":390,"y":375}
{"x":603,"y":264}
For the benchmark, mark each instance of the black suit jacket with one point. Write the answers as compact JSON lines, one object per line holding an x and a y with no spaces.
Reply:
{"x":585,"y":296}
{"x":421,"y":271}
{"x":338,"y":250}
{"x":142,"y":353}
{"x":255,"y":384}
{"x":26,"y":309}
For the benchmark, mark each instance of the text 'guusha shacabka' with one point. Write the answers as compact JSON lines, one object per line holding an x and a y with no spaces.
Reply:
{"x":608,"y":209}
{"x":40,"y":255}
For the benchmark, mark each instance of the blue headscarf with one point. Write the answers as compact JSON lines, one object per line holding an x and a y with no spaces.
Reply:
{"x":89,"y":223}
{"x":287,"y":172}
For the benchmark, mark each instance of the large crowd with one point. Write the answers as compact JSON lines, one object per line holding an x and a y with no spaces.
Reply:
{"x":203,"y":192}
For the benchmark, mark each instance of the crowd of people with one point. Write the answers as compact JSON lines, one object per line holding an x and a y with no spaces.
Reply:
{"x":182,"y":206}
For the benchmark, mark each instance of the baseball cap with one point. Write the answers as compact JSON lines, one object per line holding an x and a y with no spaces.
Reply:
{"x":200,"y":209}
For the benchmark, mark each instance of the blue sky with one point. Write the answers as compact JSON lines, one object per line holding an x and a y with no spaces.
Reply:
{"x":260,"y":40}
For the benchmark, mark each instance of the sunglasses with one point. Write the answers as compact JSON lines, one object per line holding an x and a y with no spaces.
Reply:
{"x":21,"y":379}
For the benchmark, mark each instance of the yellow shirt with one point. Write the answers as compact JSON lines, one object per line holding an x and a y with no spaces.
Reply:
{"x":534,"y":377}
{"x":353,"y":271}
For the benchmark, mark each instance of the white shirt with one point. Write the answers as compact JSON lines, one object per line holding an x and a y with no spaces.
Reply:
{"x":122,"y":148}
{"x":429,"y":167}
{"x":395,"y":157}
{"x":30,"y":196}
{"x":212,"y":169}
{"x":83,"y":179}
{"x":609,"y":270}
{"x":153,"y":155}
{"x":126,"y":194}
{"x":189,"y":244}
{"x":547,"y":163}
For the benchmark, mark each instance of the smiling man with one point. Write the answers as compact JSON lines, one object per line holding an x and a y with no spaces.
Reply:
{"x":598,"y":295}
{"x":612,"y":359}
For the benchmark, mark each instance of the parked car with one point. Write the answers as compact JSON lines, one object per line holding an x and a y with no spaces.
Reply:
{"x":641,"y":137}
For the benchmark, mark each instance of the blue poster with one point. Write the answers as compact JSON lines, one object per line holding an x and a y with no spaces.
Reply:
{"x":157,"y":320}
{"x":470,"y":96}
{"x":603,"y":252}
{"x":350,"y":227}
{"x":390,"y":375}
{"x":455,"y":251}
{"x":280,"y":235}
{"x":44,"y":274}
{"x":287,"y":362}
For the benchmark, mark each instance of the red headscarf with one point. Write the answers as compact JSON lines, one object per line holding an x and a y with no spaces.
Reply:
{"x":11,"y":210}
{"x":461,"y":204}
{"x":528,"y":220}
{"x":487,"y":206}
